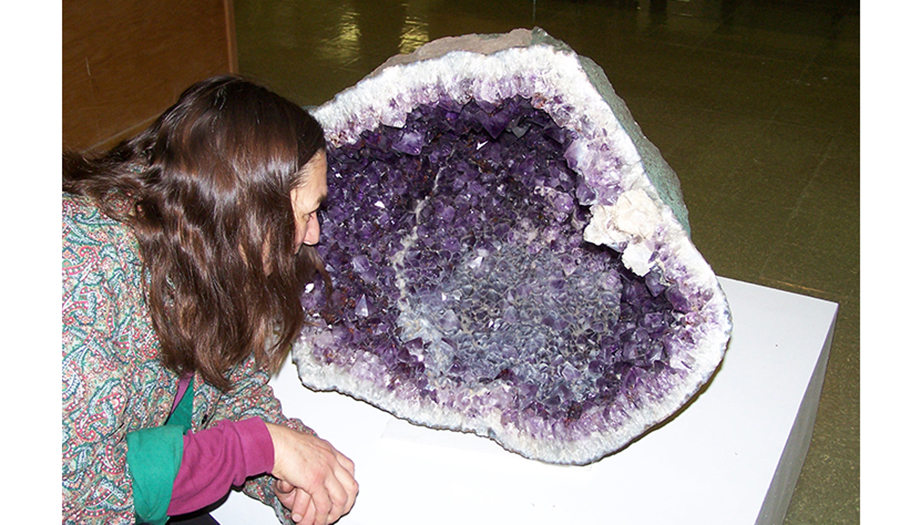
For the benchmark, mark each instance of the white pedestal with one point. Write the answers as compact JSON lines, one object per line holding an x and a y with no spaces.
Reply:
{"x":731,"y":456}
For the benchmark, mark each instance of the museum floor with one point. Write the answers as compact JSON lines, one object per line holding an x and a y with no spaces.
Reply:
{"x":755,"y":104}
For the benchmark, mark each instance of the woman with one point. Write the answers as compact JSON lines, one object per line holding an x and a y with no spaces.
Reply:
{"x":185,"y":253}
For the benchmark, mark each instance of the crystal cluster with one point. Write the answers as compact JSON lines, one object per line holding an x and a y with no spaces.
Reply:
{"x":502,"y":261}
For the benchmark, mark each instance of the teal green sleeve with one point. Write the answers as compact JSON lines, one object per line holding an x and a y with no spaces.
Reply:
{"x":154,"y":457}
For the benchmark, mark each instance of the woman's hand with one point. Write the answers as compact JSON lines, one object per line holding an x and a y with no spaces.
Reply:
{"x":315,"y":481}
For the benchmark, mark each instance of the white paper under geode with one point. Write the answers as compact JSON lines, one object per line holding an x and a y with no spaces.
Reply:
{"x":647,"y":213}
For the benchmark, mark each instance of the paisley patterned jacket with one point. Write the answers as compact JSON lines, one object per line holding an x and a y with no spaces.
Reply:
{"x":112,"y":380}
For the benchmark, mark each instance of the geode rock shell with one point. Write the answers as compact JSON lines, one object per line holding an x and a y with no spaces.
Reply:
{"x":510,"y":256}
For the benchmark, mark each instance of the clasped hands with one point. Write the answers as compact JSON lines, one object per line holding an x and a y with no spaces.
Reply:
{"x":314,"y":481}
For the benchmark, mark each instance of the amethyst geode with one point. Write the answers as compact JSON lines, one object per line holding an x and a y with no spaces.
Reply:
{"x":510,"y":256}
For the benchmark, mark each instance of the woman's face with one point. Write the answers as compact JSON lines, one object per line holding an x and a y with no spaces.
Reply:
{"x":306,"y":200}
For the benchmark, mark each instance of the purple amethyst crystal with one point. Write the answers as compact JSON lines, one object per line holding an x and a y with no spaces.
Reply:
{"x":509,"y":255}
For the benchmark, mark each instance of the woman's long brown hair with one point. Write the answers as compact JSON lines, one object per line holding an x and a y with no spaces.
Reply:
{"x":206,"y":189}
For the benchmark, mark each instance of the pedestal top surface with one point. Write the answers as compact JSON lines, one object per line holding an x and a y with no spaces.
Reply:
{"x":712,"y":463}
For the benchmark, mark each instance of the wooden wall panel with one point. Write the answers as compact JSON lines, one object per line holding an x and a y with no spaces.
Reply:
{"x":125,"y":61}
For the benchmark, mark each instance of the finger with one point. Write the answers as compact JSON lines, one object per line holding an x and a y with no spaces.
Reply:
{"x":346,"y":462}
{"x":287,"y":500}
{"x":346,"y":478}
{"x":320,"y":500}
{"x":310,"y":517}
{"x":345,"y":470}
{"x":351,"y":488}
{"x":283,"y":486}
{"x":285,"y":493}
{"x":339,"y":497}
{"x":300,"y":508}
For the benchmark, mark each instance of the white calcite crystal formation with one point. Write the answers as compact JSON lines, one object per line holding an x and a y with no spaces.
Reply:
{"x":508,"y":254}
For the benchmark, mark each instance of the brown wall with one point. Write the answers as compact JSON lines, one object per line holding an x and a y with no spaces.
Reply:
{"x":125,"y":61}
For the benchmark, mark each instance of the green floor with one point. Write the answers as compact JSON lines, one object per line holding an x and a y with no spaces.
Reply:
{"x":755,"y":104}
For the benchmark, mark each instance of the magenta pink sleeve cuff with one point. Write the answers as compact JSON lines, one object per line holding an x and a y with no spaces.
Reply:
{"x":256,"y":443}
{"x":218,"y":458}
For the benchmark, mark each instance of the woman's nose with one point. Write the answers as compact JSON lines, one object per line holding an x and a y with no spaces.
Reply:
{"x":312,"y":230}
